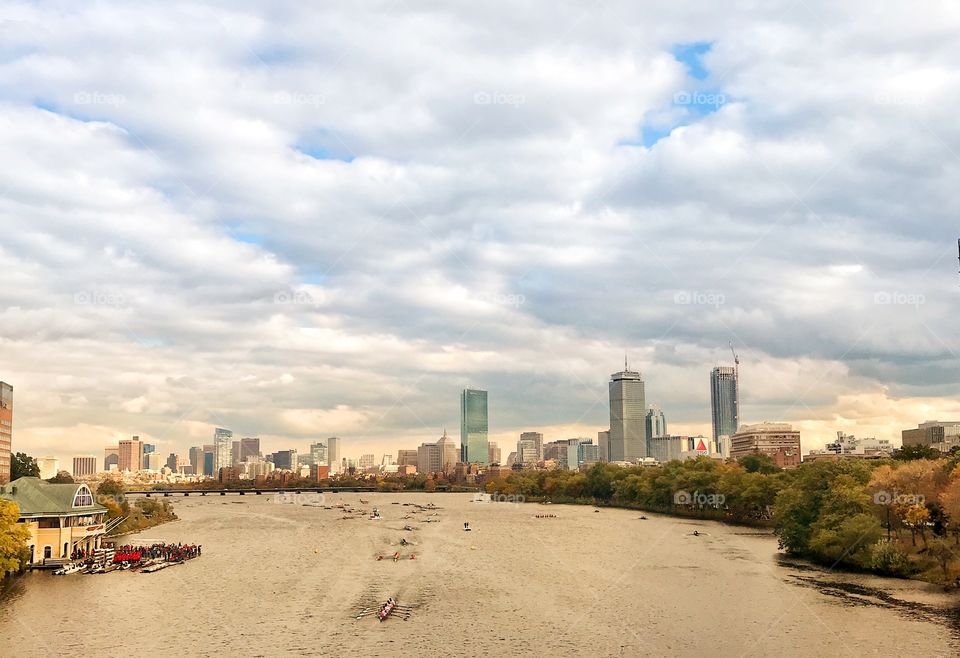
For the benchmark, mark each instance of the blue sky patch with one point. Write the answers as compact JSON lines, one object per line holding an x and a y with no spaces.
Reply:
{"x":691,"y":56}
{"x":321,"y":153}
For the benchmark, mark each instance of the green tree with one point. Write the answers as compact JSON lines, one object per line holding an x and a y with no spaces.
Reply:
{"x":758,"y":463}
{"x":887,"y":558}
{"x":941,"y":551}
{"x":13,"y":538}
{"x":909,"y":453}
{"x":110,"y":494}
{"x":23,"y":465}
{"x":62,"y":477}
{"x":808,"y":492}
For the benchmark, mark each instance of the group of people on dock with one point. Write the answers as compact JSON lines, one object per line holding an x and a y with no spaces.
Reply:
{"x":160,"y":551}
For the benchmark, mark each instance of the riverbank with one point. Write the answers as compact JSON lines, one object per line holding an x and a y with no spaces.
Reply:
{"x":144,"y":514}
{"x":892,"y":518}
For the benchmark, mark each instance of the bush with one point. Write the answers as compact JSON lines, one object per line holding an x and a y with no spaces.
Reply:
{"x":887,"y":558}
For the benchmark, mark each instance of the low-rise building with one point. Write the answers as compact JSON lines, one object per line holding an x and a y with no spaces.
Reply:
{"x":671,"y":447}
{"x":777,"y":440}
{"x":848,"y":445}
{"x":61,"y":518}
{"x":935,"y":434}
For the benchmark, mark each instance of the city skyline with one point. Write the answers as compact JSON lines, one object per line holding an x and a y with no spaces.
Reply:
{"x":510,"y":437}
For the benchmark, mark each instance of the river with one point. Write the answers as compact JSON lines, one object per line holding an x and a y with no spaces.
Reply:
{"x":288,"y":579}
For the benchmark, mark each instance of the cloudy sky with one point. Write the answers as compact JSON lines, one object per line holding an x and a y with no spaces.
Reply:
{"x":301,"y":221}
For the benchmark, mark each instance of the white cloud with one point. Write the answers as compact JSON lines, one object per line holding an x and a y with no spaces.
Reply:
{"x":213,"y":216}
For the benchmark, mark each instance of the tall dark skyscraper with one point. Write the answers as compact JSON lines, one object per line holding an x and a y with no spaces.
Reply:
{"x":724,"y":401}
{"x":628,"y":416}
{"x":474,"y":446}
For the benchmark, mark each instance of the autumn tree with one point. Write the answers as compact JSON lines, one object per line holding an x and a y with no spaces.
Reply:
{"x":13,"y":537}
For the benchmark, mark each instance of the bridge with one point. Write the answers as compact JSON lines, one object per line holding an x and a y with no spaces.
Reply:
{"x":167,"y":493}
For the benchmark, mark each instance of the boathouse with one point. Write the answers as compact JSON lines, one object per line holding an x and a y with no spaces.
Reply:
{"x":61,"y":518}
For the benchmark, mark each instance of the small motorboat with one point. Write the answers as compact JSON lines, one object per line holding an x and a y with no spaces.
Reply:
{"x":376,"y":515}
{"x":466,"y":526}
{"x":408,"y":528}
{"x":364,"y":502}
{"x":396,"y":556}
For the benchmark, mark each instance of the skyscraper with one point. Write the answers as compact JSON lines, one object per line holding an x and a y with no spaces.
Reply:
{"x":147,"y":449}
{"x":6,"y":430}
{"x":222,"y":449}
{"x":286,"y":460}
{"x":131,"y":455}
{"x":530,"y":448}
{"x":724,"y":402}
{"x":493,"y":451}
{"x":447,"y":450}
{"x":656,"y":423}
{"x":250,"y":447}
{"x":318,"y":451}
{"x":196,"y":459}
{"x":333,"y":454}
{"x":628,"y":421}
{"x":474,"y":447}
{"x":603,"y":446}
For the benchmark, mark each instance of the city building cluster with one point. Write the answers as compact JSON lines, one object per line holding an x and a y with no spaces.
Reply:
{"x":637,"y":435}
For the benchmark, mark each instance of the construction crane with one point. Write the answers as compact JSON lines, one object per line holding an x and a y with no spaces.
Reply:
{"x":736,"y":362}
{"x":736,"y":387}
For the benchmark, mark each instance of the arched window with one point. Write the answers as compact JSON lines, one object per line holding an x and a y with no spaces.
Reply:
{"x":84,"y":497}
{"x":66,"y":547}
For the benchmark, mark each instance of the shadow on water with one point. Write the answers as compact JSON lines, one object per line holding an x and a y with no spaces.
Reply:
{"x":11,"y":589}
{"x":855,"y":594}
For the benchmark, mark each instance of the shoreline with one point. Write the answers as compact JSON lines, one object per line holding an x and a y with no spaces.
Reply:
{"x":760,"y":524}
